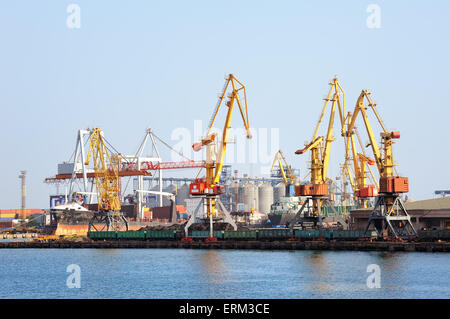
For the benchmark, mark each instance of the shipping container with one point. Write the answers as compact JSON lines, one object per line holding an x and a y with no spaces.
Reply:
{"x":2,"y":216}
{"x":6,"y":224}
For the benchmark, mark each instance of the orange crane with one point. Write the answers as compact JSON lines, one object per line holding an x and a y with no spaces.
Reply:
{"x":208,"y":188}
{"x":317,"y":194}
{"x":389,"y":216}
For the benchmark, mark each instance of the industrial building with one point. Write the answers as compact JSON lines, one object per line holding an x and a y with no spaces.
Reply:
{"x":429,"y":214}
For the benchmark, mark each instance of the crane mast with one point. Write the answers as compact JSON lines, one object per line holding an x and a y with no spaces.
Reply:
{"x":310,"y":214}
{"x":209,"y":187}
{"x":289,"y":179}
{"x":389,"y":216}
{"x":362,"y":191}
{"x":106,"y":175}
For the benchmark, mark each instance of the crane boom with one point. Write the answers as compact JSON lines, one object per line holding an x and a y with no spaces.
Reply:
{"x":320,"y":159}
{"x":106,"y":173}
{"x":288,"y":179}
{"x":215,"y":160}
{"x":389,"y":214}
{"x":320,"y":147}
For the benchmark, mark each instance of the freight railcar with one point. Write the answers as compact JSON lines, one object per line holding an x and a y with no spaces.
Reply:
{"x":261,"y":234}
{"x":133,"y":235}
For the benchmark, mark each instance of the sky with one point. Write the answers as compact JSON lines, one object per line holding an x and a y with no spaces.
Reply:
{"x":160,"y":64}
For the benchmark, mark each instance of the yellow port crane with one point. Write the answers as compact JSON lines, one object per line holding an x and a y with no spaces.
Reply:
{"x":209,"y":188}
{"x":290,"y":178}
{"x":362,"y":191}
{"x":106,"y":175}
{"x":310,"y":214}
{"x":389,"y":216}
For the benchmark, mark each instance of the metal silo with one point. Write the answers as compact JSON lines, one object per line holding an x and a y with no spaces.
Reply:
{"x":250,"y":196}
{"x":265,"y":198}
{"x":234,"y":189}
{"x":279,"y":191}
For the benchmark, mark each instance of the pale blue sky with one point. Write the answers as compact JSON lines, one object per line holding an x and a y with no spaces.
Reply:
{"x":139,"y":64}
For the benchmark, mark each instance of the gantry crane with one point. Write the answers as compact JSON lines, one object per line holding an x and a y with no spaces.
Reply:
{"x":362,"y":191}
{"x":106,"y":174}
{"x":389,"y":214}
{"x":310,"y":213}
{"x":289,"y":179}
{"x":209,"y":188}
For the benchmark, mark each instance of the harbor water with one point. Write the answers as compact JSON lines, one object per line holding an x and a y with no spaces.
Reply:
{"x":185,"y":273}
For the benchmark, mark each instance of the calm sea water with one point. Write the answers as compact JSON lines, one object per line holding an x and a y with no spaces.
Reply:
{"x":178,"y":273}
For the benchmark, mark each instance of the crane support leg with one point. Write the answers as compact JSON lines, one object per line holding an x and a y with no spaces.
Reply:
{"x":200,"y":215}
{"x":305,"y":216}
{"x":299,"y":216}
{"x":108,"y":221}
{"x":392,"y":218}
{"x":194,"y":216}
{"x":307,"y":219}
{"x":228,"y":219}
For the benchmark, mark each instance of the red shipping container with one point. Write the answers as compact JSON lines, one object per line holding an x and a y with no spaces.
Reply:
{"x":6,"y":224}
{"x":181,"y":209}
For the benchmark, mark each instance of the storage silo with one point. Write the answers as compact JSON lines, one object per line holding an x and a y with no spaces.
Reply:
{"x":182,"y":195}
{"x":241,"y":194}
{"x":279,"y":191}
{"x":234,"y":189}
{"x":250,"y":196}
{"x":265,"y":198}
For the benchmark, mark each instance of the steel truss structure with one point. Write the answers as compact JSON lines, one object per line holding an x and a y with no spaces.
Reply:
{"x":200,"y":214}
{"x":389,"y":214}
{"x":108,"y":221}
{"x":306,"y":217}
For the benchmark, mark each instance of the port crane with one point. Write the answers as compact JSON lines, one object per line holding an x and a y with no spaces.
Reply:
{"x":106,"y":175}
{"x":289,"y":179}
{"x":362,"y":191}
{"x":209,"y":189}
{"x":389,"y":214}
{"x":316,"y":193}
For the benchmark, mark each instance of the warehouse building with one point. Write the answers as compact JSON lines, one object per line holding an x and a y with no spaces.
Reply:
{"x":432,"y":214}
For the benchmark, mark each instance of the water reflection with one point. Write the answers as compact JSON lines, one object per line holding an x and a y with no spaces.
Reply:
{"x":213,"y":267}
{"x":317,"y":267}
{"x":391,"y":266}
{"x":391,"y":261}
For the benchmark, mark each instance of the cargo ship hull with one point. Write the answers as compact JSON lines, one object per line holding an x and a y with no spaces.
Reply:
{"x":71,"y":222}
